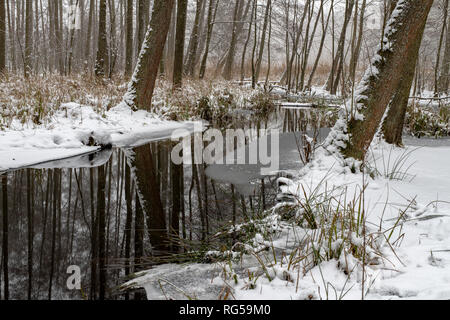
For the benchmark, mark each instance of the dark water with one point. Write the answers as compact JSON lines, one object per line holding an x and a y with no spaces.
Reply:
{"x":84,"y":212}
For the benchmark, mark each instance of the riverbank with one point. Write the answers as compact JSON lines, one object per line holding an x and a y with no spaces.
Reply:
{"x":43,"y":119}
{"x":404,"y":240}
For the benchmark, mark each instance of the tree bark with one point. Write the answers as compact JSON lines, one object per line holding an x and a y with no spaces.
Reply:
{"x":102,"y":50}
{"x":193,"y":43}
{"x":392,"y":129}
{"x":263,"y":39}
{"x":383,"y":79}
{"x":445,"y":68}
{"x":28,"y":38}
{"x":2,"y":37}
{"x":211,"y":19}
{"x":129,"y":39}
{"x":140,"y":93}
{"x":179,"y":43}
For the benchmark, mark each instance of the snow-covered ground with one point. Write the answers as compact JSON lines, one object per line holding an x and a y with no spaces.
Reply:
{"x":71,"y":128}
{"x":413,"y":183}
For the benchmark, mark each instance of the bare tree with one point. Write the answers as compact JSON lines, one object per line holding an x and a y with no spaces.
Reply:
{"x":28,"y":38}
{"x":179,"y":43}
{"x":193,"y":42}
{"x":2,"y":37}
{"x":129,"y":38}
{"x":210,"y":21}
{"x":102,"y":50}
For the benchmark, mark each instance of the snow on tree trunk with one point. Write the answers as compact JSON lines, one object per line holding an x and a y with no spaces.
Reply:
{"x":360,"y":120}
{"x":392,"y":129}
{"x":140,"y":89}
{"x":140,"y":160}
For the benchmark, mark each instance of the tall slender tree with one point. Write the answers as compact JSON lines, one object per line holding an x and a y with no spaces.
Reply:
{"x":210,"y":27}
{"x":102,"y":50}
{"x":28,"y":38}
{"x":129,"y":38}
{"x":179,"y":43}
{"x":193,"y":43}
{"x":2,"y":37}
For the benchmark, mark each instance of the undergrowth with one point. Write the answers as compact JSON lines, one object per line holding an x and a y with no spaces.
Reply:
{"x":36,"y":100}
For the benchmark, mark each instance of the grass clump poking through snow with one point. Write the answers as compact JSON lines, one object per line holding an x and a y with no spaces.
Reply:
{"x":392,"y":167}
{"x":333,"y":227}
{"x":320,"y":227}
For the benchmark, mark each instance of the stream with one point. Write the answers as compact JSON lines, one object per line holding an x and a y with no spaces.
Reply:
{"x":82,"y":212}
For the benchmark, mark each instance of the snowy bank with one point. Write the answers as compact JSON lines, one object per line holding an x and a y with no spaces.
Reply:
{"x":77,"y":129}
{"x":406,"y":203}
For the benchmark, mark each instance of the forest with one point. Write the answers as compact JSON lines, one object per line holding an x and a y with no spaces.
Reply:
{"x":224,"y":149}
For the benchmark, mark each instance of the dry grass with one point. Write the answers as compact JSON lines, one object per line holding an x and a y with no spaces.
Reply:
{"x":38,"y":98}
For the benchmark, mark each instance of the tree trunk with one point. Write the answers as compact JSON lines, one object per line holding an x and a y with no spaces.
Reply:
{"x":339,"y":59}
{"x":102,"y":50}
{"x":322,"y":41}
{"x":211,"y":19}
{"x":382,"y":80}
{"x":140,"y":93}
{"x":193,"y":43}
{"x":28,"y":38}
{"x":357,"y":49}
{"x":445,"y":72}
{"x":129,"y":39}
{"x":179,"y":43}
{"x":2,"y":37}
{"x":87,"y":52}
{"x":230,"y":57}
{"x":263,"y":40}
{"x":392,"y":128}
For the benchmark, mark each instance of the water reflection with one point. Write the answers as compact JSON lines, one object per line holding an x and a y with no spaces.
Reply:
{"x":116,"y":212}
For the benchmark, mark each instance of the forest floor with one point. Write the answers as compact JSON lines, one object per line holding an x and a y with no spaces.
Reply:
{"x":406,"y":240}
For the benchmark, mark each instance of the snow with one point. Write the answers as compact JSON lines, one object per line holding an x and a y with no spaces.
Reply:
{"x":416,"y":264}
{"x":71,"y":128}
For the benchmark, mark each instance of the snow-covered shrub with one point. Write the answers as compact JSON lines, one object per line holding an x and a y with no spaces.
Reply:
{"x":215,"y":102}
{"x":422,"y":121}
{"x":35,"y":101}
